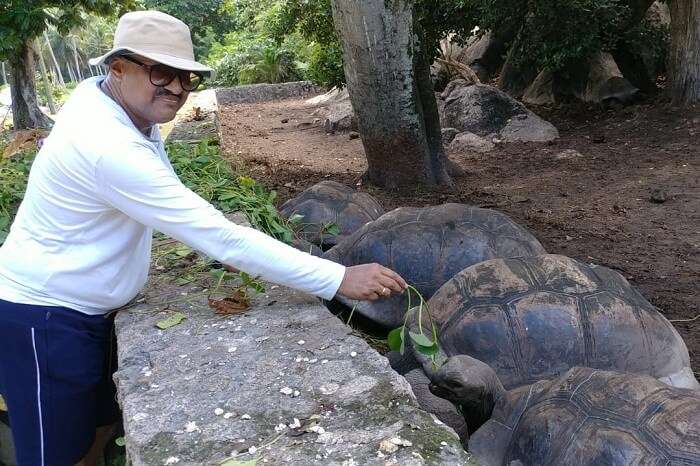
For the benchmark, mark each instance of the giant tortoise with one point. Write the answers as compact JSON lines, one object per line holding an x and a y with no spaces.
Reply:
{"x":329,"y":203}
{"x":533,"y":318}
{"x":585,"y":417}
{"x":427,"y":246}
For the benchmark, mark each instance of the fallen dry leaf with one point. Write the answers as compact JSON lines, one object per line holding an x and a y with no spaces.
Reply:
{"x":234,"y":304}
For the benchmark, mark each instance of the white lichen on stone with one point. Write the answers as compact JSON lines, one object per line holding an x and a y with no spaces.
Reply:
{"x":295,"y":424}
{"x":280,"y":427}
{"x":191,"y":427}
{"x":286,"y":391}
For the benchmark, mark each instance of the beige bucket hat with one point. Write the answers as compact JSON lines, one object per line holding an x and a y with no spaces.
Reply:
{"x":158,"y":36}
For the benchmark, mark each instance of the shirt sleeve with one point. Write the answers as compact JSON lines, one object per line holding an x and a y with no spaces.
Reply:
{"x":140,"y":185}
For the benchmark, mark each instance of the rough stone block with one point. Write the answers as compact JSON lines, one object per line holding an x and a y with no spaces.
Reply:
{"x":286,"y":383}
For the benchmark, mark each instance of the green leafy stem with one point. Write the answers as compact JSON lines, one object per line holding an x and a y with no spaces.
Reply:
{"x":428,"y":346}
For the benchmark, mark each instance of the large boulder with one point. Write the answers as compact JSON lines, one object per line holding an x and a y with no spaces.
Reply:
{"x":483,"y":54}
{"x":602,"y":82}
{"x":606,"y":82}
{"x":487,"y":111}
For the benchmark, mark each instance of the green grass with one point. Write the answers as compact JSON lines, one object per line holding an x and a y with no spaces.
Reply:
{"x":13,"y":179}
{"x":202,"y":169}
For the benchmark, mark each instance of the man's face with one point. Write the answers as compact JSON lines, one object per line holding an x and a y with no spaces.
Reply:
{"x":149,"y":103}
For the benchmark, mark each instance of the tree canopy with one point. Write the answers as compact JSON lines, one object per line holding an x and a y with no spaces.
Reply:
{"x":22,"y":20}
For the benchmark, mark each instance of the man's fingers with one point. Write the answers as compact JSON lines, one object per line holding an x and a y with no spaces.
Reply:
{"x":389,"y":284}
{"x":395,"y":278}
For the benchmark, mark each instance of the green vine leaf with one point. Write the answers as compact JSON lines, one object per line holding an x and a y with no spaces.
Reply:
{"x":174,"y":319}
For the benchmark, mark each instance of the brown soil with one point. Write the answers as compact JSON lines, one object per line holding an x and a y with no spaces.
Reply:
{"x":596,"y":207}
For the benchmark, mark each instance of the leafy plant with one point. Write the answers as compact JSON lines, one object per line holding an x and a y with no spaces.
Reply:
{"x":426,"y":345}
{"x":13,"y":179}
{"x":202,"y":169}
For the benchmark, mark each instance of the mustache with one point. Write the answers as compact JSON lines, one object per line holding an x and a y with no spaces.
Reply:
{"x":161,"y":91}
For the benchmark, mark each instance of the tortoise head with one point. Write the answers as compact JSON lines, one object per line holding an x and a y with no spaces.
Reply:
{"x":470,"y":384}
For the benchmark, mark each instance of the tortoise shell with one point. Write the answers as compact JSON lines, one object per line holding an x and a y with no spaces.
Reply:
{"x":427,"y":246}
{"x":328,"y":203}
{"x":533,"y":318}
{"x":591,"y":417}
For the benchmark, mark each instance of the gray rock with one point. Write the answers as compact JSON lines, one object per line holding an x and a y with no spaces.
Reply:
{"x":7,"y":447}
{"x":606,"y":82}
{"x":484,"y":110}
{"x":328,"y":98}
{"x":286,"y":381}
{"x":659,"y":196}
{"x":466,"y":141}
{"x":528,"y":128}
{"x":238,"y":218}
{"x":541,"y":91}
{"x":448,"y":134}
{"x":340,"y":116}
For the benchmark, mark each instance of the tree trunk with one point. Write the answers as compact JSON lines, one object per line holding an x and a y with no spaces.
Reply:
{"x":684,"y":56}
{"x":72,"y":75}
{"x":61,"y":81}
{"x":75,"y":57}
{"x":388,"y":79}
{"x":25,"y":110}
{"x":45,"y":79}
{"x":4,"y":76}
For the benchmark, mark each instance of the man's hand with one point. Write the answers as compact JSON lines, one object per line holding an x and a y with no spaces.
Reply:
{"x":368,"y":282}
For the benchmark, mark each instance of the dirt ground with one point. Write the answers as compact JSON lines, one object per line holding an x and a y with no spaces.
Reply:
{"x":595,"y":206}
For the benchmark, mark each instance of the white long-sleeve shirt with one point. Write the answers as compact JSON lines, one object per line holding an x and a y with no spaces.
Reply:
{"x":98,"y":187}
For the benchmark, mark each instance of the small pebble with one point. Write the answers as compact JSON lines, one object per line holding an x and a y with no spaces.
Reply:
{"x":191,"y":427}
{"x":286,"y":391}
{"x":301,"y":342}
{"x":296,"y":393}
{"x":228,"y":415}
{"x":443,"y":443}
{"x":218,"y":411}
{"x":245,"y":417}
{"x":353,"y":354}
{"x":232,"y":349}
{"x":252,"y":450}
{"x":295,"y":425}
{"x":172,"y":460}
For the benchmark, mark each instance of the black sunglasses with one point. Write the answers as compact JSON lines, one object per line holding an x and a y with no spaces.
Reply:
{"x":162,"y":75}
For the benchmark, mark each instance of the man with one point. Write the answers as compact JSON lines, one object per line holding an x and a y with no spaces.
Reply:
{"x":80,"y":244}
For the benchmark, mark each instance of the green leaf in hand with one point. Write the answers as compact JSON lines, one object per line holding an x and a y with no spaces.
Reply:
{"x":396,"y":340}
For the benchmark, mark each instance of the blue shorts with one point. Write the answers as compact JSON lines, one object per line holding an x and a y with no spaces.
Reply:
{"x":55,"y":375}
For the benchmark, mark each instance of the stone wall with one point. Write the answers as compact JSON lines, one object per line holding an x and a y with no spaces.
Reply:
{"x":284,"y":383}
{"x":265,"y":92}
